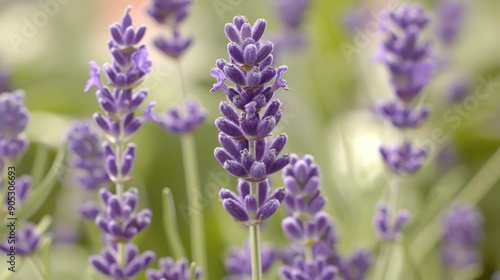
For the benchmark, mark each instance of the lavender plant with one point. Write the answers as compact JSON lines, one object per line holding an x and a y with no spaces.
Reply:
{"x":246,"y":152}
{"x":308,"y":226}
{"x":118,"y":219}
{"x":461,"y":235}
{"x":409,"y":61}
{"x":182,"y":121}
{"x":238,"y":263}
{"x":291,"y":14}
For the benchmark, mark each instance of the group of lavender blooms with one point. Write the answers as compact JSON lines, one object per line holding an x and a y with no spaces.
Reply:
{"x":312,"y":231}
{"x":13,"y":144}
{"x":118,"y":219}
{"x":245,"y":151}
{"x":411,"y":67}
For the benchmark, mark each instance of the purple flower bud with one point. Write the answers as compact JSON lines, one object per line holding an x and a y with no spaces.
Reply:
{"x":173,"y":47}
{"x":388,"y":227}
{"x":26,"y":240}
{"x":107,"y":264}
{"x":312,"y":270}
{"x":356,"y":265}
{"x":403,"y":115}
{"x":405,"y":159}
{"x":175,"y":122}
{"x":451,"y":13}
{"x":171,"y":270}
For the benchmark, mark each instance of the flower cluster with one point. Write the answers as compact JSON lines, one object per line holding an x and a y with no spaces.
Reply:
{"x":134,"y":262}
{"x":171,"y":270}
{"x":450,"y":15}
{"x":238,"y":263}
{"x":170,"y":13}
{"x":356,"y":265}
{"x":462,"y":233}
{"x":411,"y":67}
{"x":119,"y":101}
{"x":26,"y":239}
{"x":312,"y":230}
{"x":14,"y":119}
{"x":87,"y":156}
{"x":291,"y":14}
{"x":176,"y":122}
{"x":388,"y":227}
{"x":250,"y":209}
{"x":308,"y":226}
{"x":246,"y":152}
{"x":13,"y":144}
{"x":119,"y":219}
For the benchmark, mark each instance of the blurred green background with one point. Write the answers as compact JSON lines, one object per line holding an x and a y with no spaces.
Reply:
{"x":327,"y":113}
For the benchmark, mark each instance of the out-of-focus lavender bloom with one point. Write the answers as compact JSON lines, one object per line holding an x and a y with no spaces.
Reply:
{"x":404,"y":159}
{"x":236,"y":158}
{"x":248,"y":209}
{"x":403,"y":116}
{"x":461,"y":236}
{"x":409,"y":61}
{"x":87,"y":156}
{"x":173,"y":47}
{"x":356,"y":19}
{"x":302,"y":181}
{"x":89,"y":210}
{"x":389,"y":227}
{"x":356,"y":265}
{"x":313,"y":270}
{"x":119,"y":220}
{"x":14,"y":119}
{"x":170,"y":13}
{"x":171,"y":270}
{"x":450,"y":18}
{"x":307,"y":233}
{"x":178,"y":121}
{"x":292,"y":12}
{"x":26,"y":240}
{"x":238,"y":263}
{"x":23,"y":191}
{"x":458,"y":90}
{"x":5,"y":85}
{"x":496,"y":276}
{"x":107,"y":262}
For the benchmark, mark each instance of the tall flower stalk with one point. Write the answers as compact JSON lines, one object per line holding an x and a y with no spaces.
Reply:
{"x":249,"y":116}
{"x":119,"y":220}
{"x":182,"y":121}
{"x":410,"y":65}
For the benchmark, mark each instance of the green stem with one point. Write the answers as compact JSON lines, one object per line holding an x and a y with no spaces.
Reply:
{"x":388,"y":246}
{"x":197,"y":223}
{"x":197,"y":232}
{"x":38,"y":168}
{"x":472,"y":193}
{"x":170,"y":225}
{"x":254,"y":230}
{"x":36,"y":268}
{"x":255,"y":252}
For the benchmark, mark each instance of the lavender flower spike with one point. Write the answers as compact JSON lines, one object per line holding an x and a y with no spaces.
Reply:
{"x":405,"y":159}
{"x":14,"y":119}
{"x":171,"y":270}
{"x":388,"y":227}
{"x":409,"y":61}
{"x":170,"y":13}
{"x":356,"y":266}
{"x":461,"y":236}
{"x":119,"y":220}
{"x":451,"y":14}
{"x":87,"y":156}
{"x":107,"y":264}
